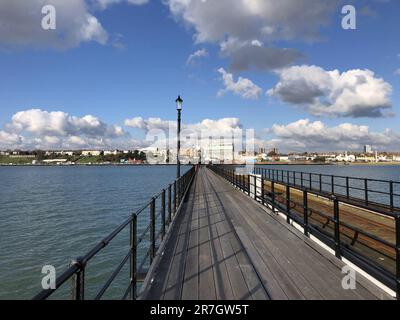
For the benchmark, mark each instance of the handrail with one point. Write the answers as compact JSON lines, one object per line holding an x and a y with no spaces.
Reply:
{"x":348,"y":189}
{"x":282,"y":202}
{"x":176,"y":192}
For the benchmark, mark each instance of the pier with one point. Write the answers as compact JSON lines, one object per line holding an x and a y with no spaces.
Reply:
{"x":226,"y":246}
{"x":220,"y":233}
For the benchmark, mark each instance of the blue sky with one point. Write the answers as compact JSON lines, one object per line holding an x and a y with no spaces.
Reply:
{"x":142,"y":66}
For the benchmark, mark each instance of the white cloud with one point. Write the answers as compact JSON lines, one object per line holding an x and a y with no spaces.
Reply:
{"x":305,"y":135}
{"x":149,"y":124}
{"x":250,"y":23}
{"x":397,"y":72}
{"x":9,"y":138}
{"x":247,"y":55}
{"x":354,"y":93}
{"x":21,"y":22}
{"x":247,"y":20}
{"x":196,"y":55}
{"x":222,"y":126}
{"x":36,"y":128}
{"x":242,"y":87}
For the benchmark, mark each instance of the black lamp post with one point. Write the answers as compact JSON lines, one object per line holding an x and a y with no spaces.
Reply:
{"x":179,"y":103}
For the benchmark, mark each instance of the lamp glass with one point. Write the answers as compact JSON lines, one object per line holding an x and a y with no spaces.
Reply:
{"x":179,"y":103}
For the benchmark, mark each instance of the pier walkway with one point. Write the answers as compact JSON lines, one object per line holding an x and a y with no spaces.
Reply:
{"x":224,"y":245}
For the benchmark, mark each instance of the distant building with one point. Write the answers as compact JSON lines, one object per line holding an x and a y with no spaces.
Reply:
{"x":220,"y":151}
{"x":346,"y":158}
{"x":112,"y":153}
{"x":368,"y":149}
{"x":55,"y":161}
{"x":88,"y":153}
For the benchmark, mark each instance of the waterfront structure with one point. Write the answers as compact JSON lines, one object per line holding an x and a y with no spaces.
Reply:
{"x":345,"y":158}
{"x":113,"y":153}
{"x":54,"y":161}
{"x":368,"y":149}
{"x":93,"y":153}
{"x":219,"y":151}
{"x":254,"y":239}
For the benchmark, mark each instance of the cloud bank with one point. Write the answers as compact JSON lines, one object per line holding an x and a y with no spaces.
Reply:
{"x":354,"y":93}
{"x":21,"y":23}
{"x":35,"y":128}
{"x":254,"y":21}
{"x":305,"y":135}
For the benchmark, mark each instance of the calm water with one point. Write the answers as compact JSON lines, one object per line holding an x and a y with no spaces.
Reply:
{"x":49,"y":215}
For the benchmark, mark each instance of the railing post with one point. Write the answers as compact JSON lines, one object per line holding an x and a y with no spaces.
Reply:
{"x":133,"y":256}
{"x":301,"y":179}
{"x":152,"y":229}
{"x":305,"y":212}
{"x":391,"y":196}
{"x":255,"y":187}
{"x":397,"y":256}
{"x":262,"y":190}
{"x":347,"y":188}
{"x":78,"y":280}
{"x":163,"y":214}
{"x":337,"y":226}
{"x":287,"y":204}
{"x":366,"y":191}
{"x":333,"y":184}
{"x":320,"y":182}
{"x":310,"y":181}
{"x":273,"y":195}
{"x":174,"y":197}
{"x":248,"y":184}
{"x":169,"y":205}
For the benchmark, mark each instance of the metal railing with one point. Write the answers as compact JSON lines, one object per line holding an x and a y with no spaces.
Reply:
{"x":328,"y":226}
{"x":162,"y":209}
{"x":363,"y":191}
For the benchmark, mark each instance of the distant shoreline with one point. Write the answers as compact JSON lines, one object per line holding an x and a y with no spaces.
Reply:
{"x":372,"y":164}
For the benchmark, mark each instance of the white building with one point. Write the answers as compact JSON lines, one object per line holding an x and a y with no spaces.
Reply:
{"x":368,"y":149}
{"x":55,"y":161}
{"x":345,"y":158}
{"x":219,"y":151}
{"x":88,"y":153}
{"x":113,"y":153}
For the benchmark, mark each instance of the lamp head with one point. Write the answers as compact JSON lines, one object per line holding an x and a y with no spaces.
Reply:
{"x":179,"y":103}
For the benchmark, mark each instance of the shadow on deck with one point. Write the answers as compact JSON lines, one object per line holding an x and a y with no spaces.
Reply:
{"x":225,"y":246}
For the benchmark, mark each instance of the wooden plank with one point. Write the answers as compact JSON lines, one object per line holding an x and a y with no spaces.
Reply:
{"x":222,"y":283}
{"x":190,"y":289}
{"x":321,"y":275}
{"x":321,"y":271}
{"x":173,"y":287}
{"x":161,"y":275}
{"x":206,"y":273}
{"x":226,"y":246}
{"x":253,"y":282}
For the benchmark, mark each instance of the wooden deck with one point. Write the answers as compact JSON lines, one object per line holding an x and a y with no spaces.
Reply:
{"x":223,"y":245}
